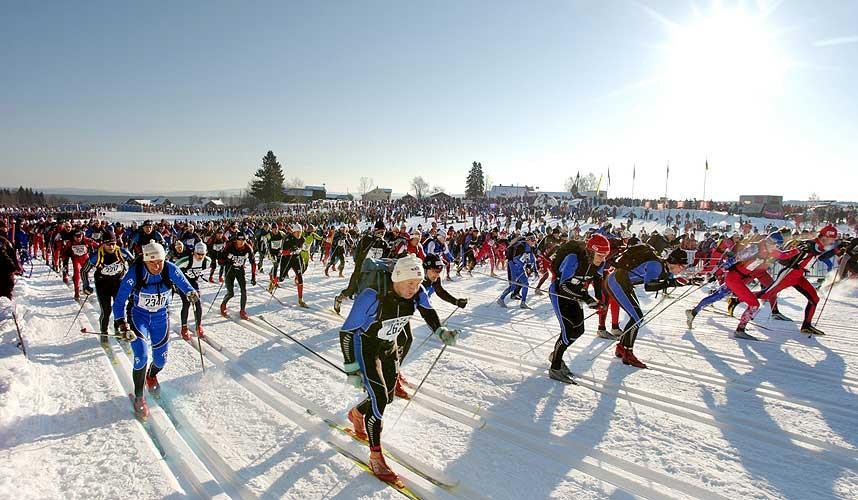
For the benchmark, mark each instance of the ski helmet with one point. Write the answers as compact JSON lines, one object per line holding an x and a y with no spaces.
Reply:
{"x":433,"y":261}
{"x":677,"y":256}
{"x":777,"y":238}
{"x":828,"y":231}
{"x":599,"y":244}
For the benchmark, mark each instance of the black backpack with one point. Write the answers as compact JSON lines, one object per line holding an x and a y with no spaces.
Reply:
{"x":634,"y":256}
{"x":579,"y":248}
{"x":138,"y":272}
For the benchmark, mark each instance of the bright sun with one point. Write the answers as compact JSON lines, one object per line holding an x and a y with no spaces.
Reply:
{"x":724,"y":60}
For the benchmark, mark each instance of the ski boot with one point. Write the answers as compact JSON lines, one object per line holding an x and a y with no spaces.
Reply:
{"x":630,"y":359}
{"x":185,"y":334}
{"x":243,"y":315}
{"x":223,"y":311}
{"x":380,"y":468}
{"x":326,"y":272}
{"x":732,"y":302}
{"x":356,"y":418}
{"x":524,"y":306}
{"x":303,"y":304}
{"x":740,"y":333}
{"x":602,"y":333}
{"x":272,"y":285}
{"x":689,"y":317}
{"x":539,"y":291}
{"x":200,"y":333}
{"x":501,"y":303}
{"x":616,"y":331}
{"x":778,"y":316}
{"x":811,"y":330}
{"x":153,"y":386}
{"x":562,"y":374}
{"x":619,"y":351}
{"x":141,"y":409}
{"x":399,"y":390}
{"x":105,"y":341}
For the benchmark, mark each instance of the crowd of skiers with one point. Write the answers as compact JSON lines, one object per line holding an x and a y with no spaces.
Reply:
{"x":397,"y":269}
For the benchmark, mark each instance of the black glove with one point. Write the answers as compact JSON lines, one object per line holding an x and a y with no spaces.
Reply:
{"x":124,"y":333}
{"x":698,"y":280}
{"x":461,"y":303}
{"x":591,"y":302}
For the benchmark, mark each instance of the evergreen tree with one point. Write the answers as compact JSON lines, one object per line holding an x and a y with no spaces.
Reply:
{"x":267,"y":187}
{"x":475,"y":185}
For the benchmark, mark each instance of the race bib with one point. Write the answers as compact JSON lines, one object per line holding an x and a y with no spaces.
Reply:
{"x":238,"y":260}
{"x":755,"y":264}
{"x":190,"y":242}
{"x":112,"y":269}
{"x":375,"y":253}
{"x":217,"y":247}
{"x":524,"y":258}
{"x":194,"y":272}
{"x":276,"y":244}
{"x":305,"y":247}
{"x":96,"y":236}
{"x":152,"y":302}
{"x":391,"y":328}
{"x":79,"y":250}
{"x":342,"y":243}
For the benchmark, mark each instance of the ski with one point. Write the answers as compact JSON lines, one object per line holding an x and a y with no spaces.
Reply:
{"x":214,"y":345}
{"x":721,"y":313}
{"x":147,"y":426}
{"x":349,"y":432}
{"x":398,"y":485}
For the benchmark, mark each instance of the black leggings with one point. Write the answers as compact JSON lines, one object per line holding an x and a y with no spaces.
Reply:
{"x":339,"y":254}
{"x":377,"y":359}
{"x":620,"y":288}
{"x":571,"y":317}
{"x":186,"y":305}
{"x":106,"y":290}
{"x":233,"y":275}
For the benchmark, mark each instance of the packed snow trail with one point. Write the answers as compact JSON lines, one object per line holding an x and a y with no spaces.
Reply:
{"x":713,"y":418}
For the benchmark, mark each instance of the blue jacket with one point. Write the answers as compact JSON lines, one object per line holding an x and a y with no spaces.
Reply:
{"x":153,"y":297}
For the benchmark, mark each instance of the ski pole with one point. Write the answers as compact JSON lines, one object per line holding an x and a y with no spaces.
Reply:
{"x":834,"y":280}
{"x":18,"y":329}
{"x":646,"y":319}
{"x":533,"y":349}
{"x":293,"y":339}
{"x":419,"y":385}
{"x":82,"y":304}
{"x":442,"y":324}
{"x":215,"y":298}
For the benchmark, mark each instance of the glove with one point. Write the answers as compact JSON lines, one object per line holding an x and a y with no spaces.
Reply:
{"x":591,"y":302}
{"x":353,"y":375}
{"x":124,"y":332}
{"x":193,"y":297}
{"x":87,"y":290}
{"x":253,"y":280}
{"x":447,"y":336}
{"x":461,"y":303}
{"x":806,"y":245}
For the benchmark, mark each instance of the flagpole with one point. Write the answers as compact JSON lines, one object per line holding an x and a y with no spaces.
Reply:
{"x":633,"y":181}
{"x":666,"y":175}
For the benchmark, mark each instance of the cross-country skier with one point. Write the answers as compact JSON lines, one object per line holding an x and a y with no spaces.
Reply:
{"x":576,"y":264}
{"x":371,"y":245}
{"x":235,"y":257}
{"x":370,"y":339}
{"x":521,"y":262}
{"x":340,"y":241}
{"x":144,"y":297}
{"x":291,"y":259}
{"x":193,"y":267}
{"x":639,"y":265}
{"x":110,"y":264}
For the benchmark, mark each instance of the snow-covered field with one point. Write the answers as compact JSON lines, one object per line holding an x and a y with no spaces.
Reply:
{"x":711,"y":418}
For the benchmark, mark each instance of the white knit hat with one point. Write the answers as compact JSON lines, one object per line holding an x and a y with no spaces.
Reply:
{"x":200,"y":247}
{"x":407,"y":268}
{"x":153,"y":251}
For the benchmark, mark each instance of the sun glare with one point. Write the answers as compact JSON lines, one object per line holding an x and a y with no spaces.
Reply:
{"x":724,"y":59}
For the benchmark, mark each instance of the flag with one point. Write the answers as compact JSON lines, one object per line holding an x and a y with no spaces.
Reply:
{"x":634,"y":167}
{"x":707,"y":164}
{"x":668,"y":171}
{"x":609,"y":176}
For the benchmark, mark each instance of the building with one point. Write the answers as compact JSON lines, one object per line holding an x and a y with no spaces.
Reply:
{"x":762,"y":206}
{"x":305,"y":194}
{"x":408,"y":198}
{"x":378,"y":194}
{"x":339,"y":196}
{"x":501,"y":191}
{"x":441,"y":196}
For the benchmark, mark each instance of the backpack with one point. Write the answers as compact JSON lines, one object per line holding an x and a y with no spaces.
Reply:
{"x":577,"y":247}
{"x":138,"y":270}
{"x":634,"y":256}
{"x":375,"y":274}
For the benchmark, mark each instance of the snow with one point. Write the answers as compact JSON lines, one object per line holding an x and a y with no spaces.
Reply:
{"x":712,"y":418}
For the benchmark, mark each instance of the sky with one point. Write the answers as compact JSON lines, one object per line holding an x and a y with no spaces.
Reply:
{"x":174,"y":96}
